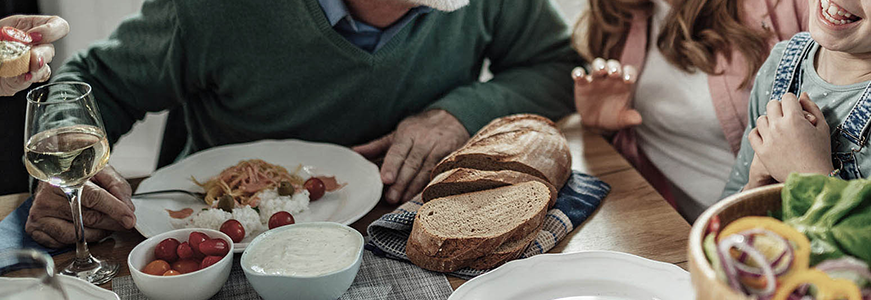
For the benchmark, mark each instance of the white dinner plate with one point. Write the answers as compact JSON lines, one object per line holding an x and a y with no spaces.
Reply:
{"x":358,"y":197}
{"x":75,"y":288}
{"x":589,"y":275}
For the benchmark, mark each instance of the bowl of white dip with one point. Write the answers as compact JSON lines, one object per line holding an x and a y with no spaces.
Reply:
{"x":311,"y":261}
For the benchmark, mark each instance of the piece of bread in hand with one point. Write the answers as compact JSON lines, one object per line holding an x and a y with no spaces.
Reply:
{"x":14,"y":59}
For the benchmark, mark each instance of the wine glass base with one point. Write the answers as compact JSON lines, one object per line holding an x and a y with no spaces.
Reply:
{"x":92,"y":270}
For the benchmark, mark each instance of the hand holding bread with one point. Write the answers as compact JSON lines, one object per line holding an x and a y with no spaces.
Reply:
{"x":26,"y":50}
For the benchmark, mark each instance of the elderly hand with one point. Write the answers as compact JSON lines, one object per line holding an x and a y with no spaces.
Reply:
{"x":106,"y":207}
{"x":785,"y":141}
{"x":604,"y":98}
{"x":43,"y":30}
{"x":413,"y":150}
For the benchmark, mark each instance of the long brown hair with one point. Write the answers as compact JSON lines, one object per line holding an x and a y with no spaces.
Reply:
{"x":692,"y":36}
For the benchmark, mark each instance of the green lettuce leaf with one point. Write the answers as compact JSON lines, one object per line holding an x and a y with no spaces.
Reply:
{"x":834,"y":214}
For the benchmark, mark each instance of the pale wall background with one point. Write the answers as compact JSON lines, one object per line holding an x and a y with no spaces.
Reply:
{"x":135,"y":155}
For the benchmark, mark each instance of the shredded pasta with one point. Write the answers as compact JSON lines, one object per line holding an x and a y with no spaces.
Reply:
{"x":245,"y":179}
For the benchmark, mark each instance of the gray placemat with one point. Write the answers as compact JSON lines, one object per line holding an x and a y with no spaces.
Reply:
{"x":378,"y":278}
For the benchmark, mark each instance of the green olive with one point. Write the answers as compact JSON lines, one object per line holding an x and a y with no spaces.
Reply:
{"x":285,"y":189}
{"x":226,"y":203}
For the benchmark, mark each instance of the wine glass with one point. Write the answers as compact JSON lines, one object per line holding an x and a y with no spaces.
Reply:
{"x":35,"y":279}
{"x":65,"y":145}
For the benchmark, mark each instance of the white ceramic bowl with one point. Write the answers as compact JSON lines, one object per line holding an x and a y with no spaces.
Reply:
{"x":327,"y":286}
{"x":202,"y":284}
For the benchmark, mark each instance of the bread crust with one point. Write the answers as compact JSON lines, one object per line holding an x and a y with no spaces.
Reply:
{"x":533,"y":152}
{"x":463,"y":180}
{"x":15,"y":66}
{"x":525,"y":143}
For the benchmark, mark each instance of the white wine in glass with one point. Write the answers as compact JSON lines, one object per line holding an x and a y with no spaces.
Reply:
{"x":65,"y":145}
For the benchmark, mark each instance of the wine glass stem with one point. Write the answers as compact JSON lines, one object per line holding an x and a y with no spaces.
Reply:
{"x":74,"y":195}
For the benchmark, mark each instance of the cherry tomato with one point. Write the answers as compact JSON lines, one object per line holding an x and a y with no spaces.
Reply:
{"x":185,"y":266}
{"x":280,"y":219}
{"x":315,"y":188}
{"x":234,"y":229}
{"x":156,"y":267}
{"x":195,"y":239}
{"x":714,"y":226}
{"x":14,"y":34}
{"x":209,"y":260}
{"x":185,"y":251}
{"x":171,"y":273}
{"x":166,"y":250}
{"x":215,"y":247}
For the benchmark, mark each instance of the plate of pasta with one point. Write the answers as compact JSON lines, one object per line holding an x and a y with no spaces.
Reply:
{"x":250,"y":183}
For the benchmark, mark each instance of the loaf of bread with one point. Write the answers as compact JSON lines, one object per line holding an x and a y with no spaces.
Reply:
{"x":462,"y":180}
{"x":14,"y":59}
{"x":523,"y":143}
{"x":450,"y":232}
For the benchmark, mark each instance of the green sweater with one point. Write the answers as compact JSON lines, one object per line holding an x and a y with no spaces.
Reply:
{"x":251,"y":70}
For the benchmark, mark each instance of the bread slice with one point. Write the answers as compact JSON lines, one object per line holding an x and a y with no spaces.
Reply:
{"x":536,"y":153}
{"x":462,"y":180}
{"x":14,"y":65}
{"x":506,"y":252}
{"x":464,"y":227}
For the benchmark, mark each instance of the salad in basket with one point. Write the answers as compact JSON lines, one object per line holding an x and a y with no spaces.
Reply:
{"x":817,"y":247}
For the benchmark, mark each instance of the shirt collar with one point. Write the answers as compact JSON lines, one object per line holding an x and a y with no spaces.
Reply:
{"x":336,"y":10}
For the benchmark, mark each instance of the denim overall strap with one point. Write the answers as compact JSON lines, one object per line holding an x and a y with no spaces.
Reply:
{"x":856,"y":124}
{"x":785,"y":80}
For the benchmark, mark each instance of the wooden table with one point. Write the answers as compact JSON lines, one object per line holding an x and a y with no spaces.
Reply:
{"x":634,"y":218}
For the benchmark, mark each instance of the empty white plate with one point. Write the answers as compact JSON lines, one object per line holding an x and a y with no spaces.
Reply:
{"x":589,"y":275}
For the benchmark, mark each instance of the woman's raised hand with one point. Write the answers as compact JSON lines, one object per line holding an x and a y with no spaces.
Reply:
{"x":604,"y":97}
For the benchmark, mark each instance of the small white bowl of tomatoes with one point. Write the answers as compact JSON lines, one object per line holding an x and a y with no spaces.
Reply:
{"x":191,"y":263}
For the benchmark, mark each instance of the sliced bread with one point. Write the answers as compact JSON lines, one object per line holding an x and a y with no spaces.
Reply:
{"x":536,"y":153}
{"x":464,"y":227}
{"x":462,"y":180}
{"x":506,"y":252}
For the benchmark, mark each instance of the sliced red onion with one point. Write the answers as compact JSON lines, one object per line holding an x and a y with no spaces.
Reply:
{"x":750,"y":239}
{"x":739,"y":242}
{"x":846,"y":263}
{"x":754,"y":272}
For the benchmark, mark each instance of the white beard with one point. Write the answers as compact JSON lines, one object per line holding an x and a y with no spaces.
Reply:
{"x":442,"y":5}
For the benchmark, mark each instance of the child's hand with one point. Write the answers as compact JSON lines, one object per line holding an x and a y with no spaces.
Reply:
{"x":785,"y":141}
{"x":759,"y":175}
{"x":603,"y":98}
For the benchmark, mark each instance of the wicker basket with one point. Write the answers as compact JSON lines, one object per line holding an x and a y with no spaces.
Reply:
{"x":756,"y":202}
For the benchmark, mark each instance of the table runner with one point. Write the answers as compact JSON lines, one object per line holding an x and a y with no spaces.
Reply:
{"x":378,"y":278}
{"x":576,"y":201}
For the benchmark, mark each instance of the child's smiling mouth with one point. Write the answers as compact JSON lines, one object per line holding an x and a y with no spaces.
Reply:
{"x":835,"y":14}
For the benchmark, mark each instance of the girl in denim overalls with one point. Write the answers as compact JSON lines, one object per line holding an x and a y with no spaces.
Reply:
{"x":830,"y":68}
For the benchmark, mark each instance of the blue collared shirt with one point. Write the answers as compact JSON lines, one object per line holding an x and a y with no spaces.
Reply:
{"x":363,"y":35}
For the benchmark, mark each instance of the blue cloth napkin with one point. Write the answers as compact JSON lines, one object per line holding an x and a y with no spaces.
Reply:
{"x":576,"y":201}
{"x":12,"y":235}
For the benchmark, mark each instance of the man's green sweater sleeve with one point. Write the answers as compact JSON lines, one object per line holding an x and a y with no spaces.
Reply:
{"x":139,"y":68}
{"x":531,"y":59}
